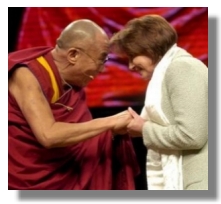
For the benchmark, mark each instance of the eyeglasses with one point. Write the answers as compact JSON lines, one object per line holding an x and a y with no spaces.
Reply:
{"x":97,"y":62}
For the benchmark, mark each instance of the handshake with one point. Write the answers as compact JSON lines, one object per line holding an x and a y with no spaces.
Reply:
{"x":127,"y":122}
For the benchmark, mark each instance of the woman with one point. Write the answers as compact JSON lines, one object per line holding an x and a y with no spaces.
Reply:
{"x":174,"y":119}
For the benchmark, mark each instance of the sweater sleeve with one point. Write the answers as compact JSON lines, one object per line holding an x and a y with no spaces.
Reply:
{"x":186,"y":82}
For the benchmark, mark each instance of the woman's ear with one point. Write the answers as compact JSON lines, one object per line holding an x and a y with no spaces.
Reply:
{"x":72,"y":55}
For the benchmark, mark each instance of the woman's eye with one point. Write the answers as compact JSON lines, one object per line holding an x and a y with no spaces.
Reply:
{"x":137,"y":68}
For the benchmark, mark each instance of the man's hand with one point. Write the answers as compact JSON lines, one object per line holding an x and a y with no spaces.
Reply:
{"x":135,"y":126}
{"x":121,"y":120}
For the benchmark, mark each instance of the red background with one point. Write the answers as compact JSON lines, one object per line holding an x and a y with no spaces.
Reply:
{"x":116,"y":86}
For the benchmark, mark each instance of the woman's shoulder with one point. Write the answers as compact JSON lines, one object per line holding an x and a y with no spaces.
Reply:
{"x":185,"y":63}
{"x":184,"y":59}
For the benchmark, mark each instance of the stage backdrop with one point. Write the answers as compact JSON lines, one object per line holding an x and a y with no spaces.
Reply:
{"x":116,"y":86}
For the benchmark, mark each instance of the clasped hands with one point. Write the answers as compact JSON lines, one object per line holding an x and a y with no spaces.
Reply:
{"x":128,"y":122}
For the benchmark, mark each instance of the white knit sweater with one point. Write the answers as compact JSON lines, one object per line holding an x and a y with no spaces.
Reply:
{"x":163,"y":168}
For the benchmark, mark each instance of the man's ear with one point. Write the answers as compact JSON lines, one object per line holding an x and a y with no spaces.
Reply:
{"x":72,"y":55}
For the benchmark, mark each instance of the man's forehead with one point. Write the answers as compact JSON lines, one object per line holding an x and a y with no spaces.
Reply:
{"x":101,"y":51}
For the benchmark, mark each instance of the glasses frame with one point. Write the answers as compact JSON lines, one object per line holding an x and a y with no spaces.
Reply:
{"x":101,"y":63}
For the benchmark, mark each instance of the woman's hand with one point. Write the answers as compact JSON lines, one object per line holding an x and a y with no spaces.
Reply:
{"x":134,"y":128}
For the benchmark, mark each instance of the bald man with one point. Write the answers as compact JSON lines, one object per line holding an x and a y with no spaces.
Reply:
{"x":53,"y":143}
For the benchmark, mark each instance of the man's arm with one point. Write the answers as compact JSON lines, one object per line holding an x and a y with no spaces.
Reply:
{"x":27,"y":92}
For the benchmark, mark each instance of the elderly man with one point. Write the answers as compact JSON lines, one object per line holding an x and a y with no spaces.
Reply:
{"x":53,"y":141}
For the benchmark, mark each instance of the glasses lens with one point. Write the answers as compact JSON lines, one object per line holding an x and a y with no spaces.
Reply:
{"x":106,"y":59}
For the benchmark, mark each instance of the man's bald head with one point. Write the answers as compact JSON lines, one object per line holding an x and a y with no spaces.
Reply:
{"x":79,"y":33}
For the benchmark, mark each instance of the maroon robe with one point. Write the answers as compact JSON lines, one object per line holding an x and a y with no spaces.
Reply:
{"x":95,"y":164}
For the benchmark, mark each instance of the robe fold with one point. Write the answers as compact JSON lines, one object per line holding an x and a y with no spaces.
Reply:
{"x":98,"y":163}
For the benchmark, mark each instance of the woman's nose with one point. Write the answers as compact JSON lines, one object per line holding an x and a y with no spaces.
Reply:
{"x":131,"y":66}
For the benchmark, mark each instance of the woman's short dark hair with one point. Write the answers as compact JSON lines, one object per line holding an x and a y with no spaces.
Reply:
{"x":150,"y":35}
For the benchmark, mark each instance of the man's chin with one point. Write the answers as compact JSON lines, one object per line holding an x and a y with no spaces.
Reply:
{"x":82,"y":84}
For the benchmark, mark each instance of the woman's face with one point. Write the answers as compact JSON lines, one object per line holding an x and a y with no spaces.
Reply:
{"x":143,"y":65}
